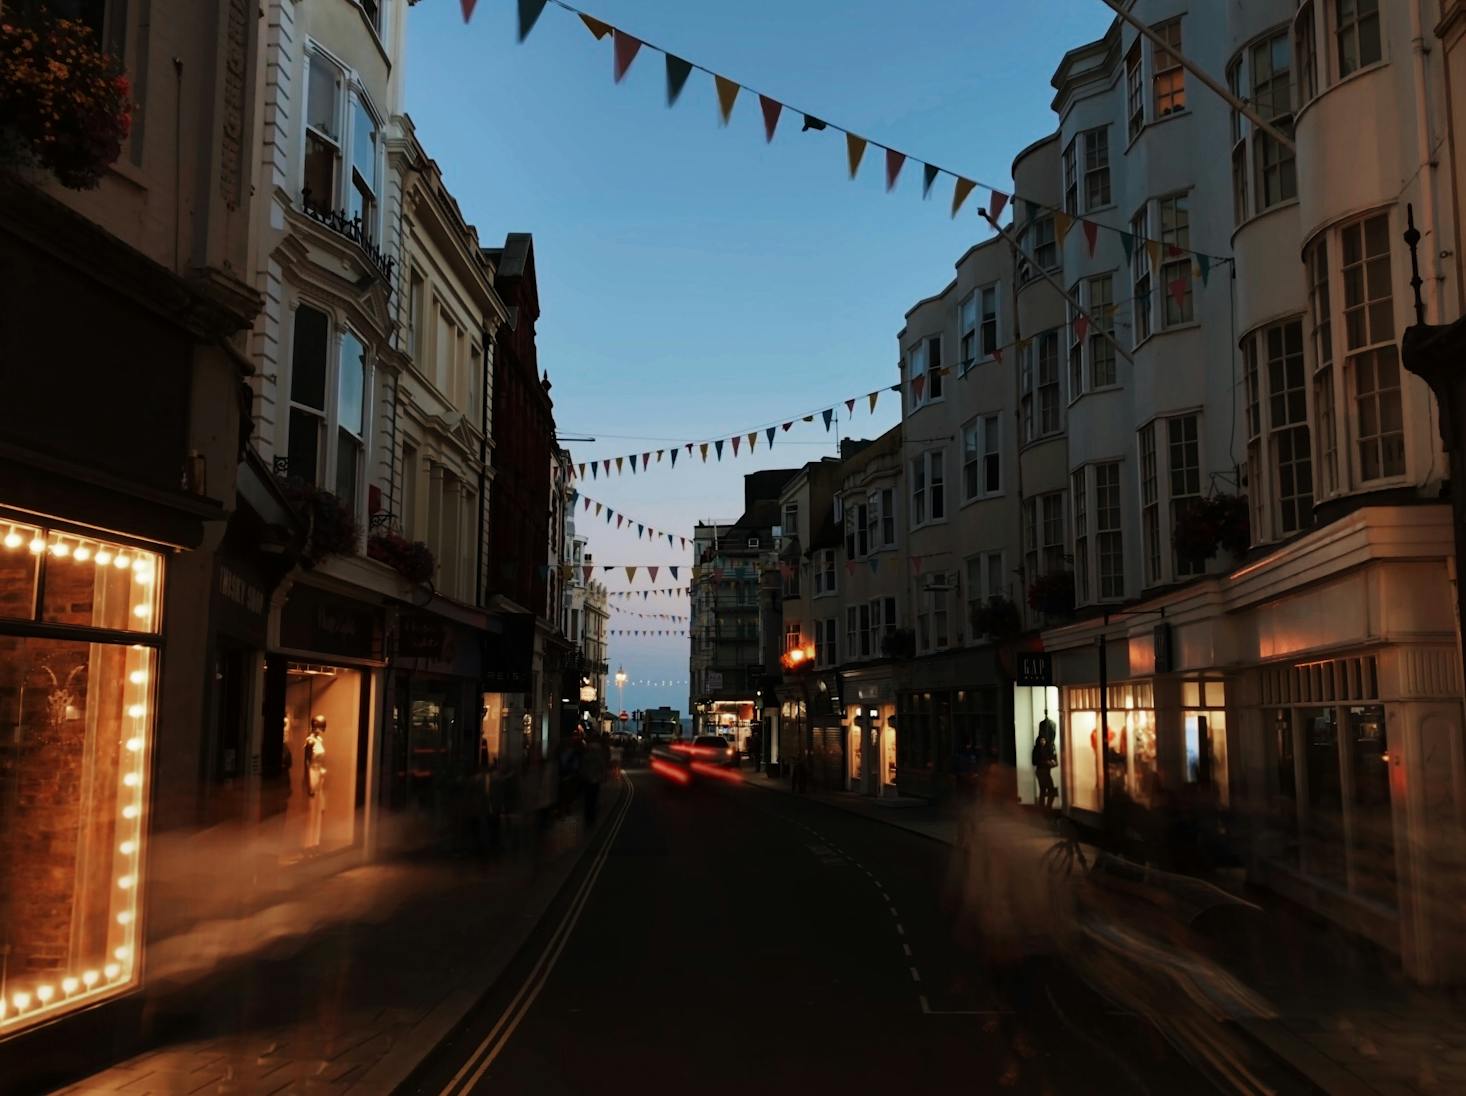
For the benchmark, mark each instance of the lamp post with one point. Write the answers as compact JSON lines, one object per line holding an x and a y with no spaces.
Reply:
{"x":620,"y":690}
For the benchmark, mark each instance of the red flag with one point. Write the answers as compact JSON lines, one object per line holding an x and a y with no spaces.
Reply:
{"x":653,"y":572}
{"x":771,"y":109}
{"x":996,"y":206}
{"x":894,"y":160}
{"x":850,"y":567}
{"x":998,"y":355}
{"x":1173,"y":251}
{"x":468,"y":6}
{"x":619,"y":519}
{"x":916,"y":564}
{"x":646,"y":458}
{"x":736,"y":440}
{"x":1081,"y":326}
{"x":1178,"y":290}
{"x":587,"y":503}
{"x":850,"y":405}
{"x":1091,"y":235}
{"x":625,"y":52}
{"x":918,"y":386}
{"x":586,"y":572}
{"x":599,"y":29}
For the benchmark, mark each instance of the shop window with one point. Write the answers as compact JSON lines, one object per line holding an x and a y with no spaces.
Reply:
{"x":74,"y":766}
{"x":322,"y":728}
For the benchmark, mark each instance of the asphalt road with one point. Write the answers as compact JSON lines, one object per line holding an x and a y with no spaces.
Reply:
{"x":725,"y":938}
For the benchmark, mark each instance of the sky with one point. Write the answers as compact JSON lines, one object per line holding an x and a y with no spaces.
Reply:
{"x":696,"y":281}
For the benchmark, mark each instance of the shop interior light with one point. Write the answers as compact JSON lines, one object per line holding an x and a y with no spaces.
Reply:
{"x":37,"y":545}
{"x":89,"y":978}
{"x":136,"y":710}
{"x":137,"y":677}
{"x":61,"y":549}
{"x":104,"y":557}
{"x":132,"y":780}
{"x":122,"y":952}
{"x":121,"y":562}
{"x":141,"y":611}
{"x":111,"y":970}
{"x":127,"y":848}
{"x":134,"y":745}
{"x":126,"y":882}
{"x":125,"y":917}
{"x":82,"y":553}
{"x":21,"y":1000}
{"x":45,"y":993}
{"x":68,"y":985}
{"x":130,"y":811}
{"x":13,"y":539}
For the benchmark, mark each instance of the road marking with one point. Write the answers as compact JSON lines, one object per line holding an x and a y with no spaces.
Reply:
{"x":907,"y":949}
{"x":494,"y":1042}
{"x":893,"y":911}
{"x":885,"y":897}
{"x":899,"y":930}
{"x":915,"y":976}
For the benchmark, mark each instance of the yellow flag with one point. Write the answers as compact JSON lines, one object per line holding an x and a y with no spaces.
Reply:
{"x":704,"y":447}
{"x":631,"y":574}
{"x":727,"y":92}
{"x":618,"y":464}
{"x":1062,"y":224}
{"x":855,"y":149}
{"x":752,"y":440}
{"x":960,"y":193}
{"x":1153,"y":249}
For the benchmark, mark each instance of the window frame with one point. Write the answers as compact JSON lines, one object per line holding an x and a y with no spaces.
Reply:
{"x":1135,"y":97}
{"x":1142,"y":278}
{"x":328,"y":417}
{"x":1176,"y":267}
{"x":1160,"y":71}
{"x":981,"y":447}
{"x":1353,"y":28}
{"x":1378,"y":348}
{"x":1109,"y":539}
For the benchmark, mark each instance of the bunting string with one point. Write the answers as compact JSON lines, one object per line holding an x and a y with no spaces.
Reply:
{"x":643,"y":529}
{"x":625,"y":48}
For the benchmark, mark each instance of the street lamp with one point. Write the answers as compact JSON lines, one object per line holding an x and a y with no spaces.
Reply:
{"x":620,"y":689}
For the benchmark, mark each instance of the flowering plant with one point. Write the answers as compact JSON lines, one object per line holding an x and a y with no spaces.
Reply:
{"x":1211,"y":523}
{"x":62,"y":97}
{"x":412,"y":559}
{"x":333,"y":529}
{"x":1052,"y":594}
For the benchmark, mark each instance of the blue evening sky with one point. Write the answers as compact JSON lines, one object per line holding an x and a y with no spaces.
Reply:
{"x":694,"y":280}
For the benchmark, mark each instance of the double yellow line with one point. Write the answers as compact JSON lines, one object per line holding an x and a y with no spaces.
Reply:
{"x":494,"y":1042}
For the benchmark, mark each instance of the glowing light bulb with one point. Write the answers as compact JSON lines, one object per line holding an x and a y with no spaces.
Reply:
{"x":125,"y":917}
{"x":111,"y":970}
{"x":127,"y":848}
{"x":122,"y":952}
{"x":60,"y":551}
{"x":126,"y":882}
{"x":68,"y":985}
{"x":137,"y":677}
{"x":129,"y":811}
{"x":142,"y":570}
{"x":136,"y":710}
{"x":37,"y":547}
{"x":141,"y":611}
{"x":82,"y":553}
{"x":104,"y":557}
{"x":21,"y":1001}
{"x":121,"y":562}
{"x":134,"y":744}
{"x":12,"y":539}
{"x":45,"y":993}
{"x":132,"y":780}
{"x":89,"y":978}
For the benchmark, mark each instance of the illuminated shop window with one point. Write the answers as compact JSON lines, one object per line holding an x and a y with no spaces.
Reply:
{"x":77,"y":719}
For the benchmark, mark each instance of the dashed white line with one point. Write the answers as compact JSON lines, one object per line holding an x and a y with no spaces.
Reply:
{"x":885,"y":897}
{"x":915,"y":976}
{"x":907,"y":949}
{"x":893,"y":911}
{"x":899,"y":930}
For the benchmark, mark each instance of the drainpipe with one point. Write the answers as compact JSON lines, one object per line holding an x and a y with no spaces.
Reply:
{"x":483,"y":466}
{"x":1420,"y":51}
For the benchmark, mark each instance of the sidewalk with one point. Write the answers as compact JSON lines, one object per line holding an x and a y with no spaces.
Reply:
{"x":347,"y":984}
{"x":1333,"y":1007}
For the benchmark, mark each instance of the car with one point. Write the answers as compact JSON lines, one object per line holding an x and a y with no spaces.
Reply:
{"x":714,"y":749}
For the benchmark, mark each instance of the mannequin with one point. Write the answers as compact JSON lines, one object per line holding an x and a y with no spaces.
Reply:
{"x":315,"y":782}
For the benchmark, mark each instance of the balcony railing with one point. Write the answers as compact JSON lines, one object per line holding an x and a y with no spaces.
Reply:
{"x":351,"y":227}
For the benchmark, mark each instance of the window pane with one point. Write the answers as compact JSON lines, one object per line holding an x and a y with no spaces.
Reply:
{"x":21,"y":547}
{"x":303,"y":452}
{"x":364,"y":146}
{"x":350,"y":410}
{"x":308,"y":358}
{"x":321,"y":106}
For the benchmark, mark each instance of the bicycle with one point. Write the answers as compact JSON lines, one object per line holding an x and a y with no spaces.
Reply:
{"x":1059,"y":859}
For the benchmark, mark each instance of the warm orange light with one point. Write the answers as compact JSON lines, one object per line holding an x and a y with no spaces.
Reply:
{"x":673,"y":772}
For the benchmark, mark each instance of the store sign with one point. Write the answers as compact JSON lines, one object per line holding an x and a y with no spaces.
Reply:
{"x":316,"y":621}
{"x":715,"y":679}
{"x":1035,"y":668}
{"x":421,"y":636}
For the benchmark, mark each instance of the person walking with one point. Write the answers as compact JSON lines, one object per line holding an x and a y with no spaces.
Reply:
{"x":1045,"y":760}
{"x":593,"y":765}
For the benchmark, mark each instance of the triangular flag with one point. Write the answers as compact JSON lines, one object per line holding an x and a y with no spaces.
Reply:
{"x":771,"y":109}
{"x":529,"y":13}
{"x":873,"y":397}
{"x":587,"y":503}
{"x":809,"y":418}
{"x":811,"y":122}
{"x":1153,"y":250}
{"x":727,"y":92}
{"x":606,"y":466}
{"x":916,"y":564}
{"x":631,"y":574}
{"x":674,"y":572}
{"x":769,"y":433}
{"x":829,"y":414}
{"x":659,"y":455}
{"x":960,"y":191}
{"x":1063,"y":222}
{"x":1127,"y":241}
{"x":918,"y":386}
{"x":736,"y":440}
{"x":618,"y":465}
{"x":468,"y":6}
{"x":718,"y":445}
{"x":1173,"y":251}
{"x":752,"y":440}
{"x":928,"y":177}
{"x":653,"y":572}
{"x":1081,"y":326}
{"x":997,"y":205}
{"x":786,"y":426}
{"x":1178,"y":290}
{"x":582,"y":471}
{"x":670,"y":539}
{"x":704,"y":448}
{"x":633,"y":464}
{"x":624,"y":53}
{"x":894,"y":160}
{"x":619,"y":519}
{"x":678,"y":71}
{"x":586,"y":572}
{"x":875,"y":564}
{"x":850,"y":567}
{"x":599,"y":29}
{"x":640,"y":528}
{"x":850,"y":406}
{"x":689,"y":447}
{"x":598,"y":509}
{"x":1091,"y":236}
{"x":646,"y":458}
{"x":674,"y":458}
{"x":1203,"y":268}
{"x":854,"y":150}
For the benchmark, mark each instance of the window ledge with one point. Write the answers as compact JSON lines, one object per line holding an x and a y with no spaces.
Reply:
{"x":1097,"y":391}
{"x":1304,"y":108}
{"x":1277,"y":207}
{"x":1151,"y":123}
{"x":994,"y":497}
{"x":1057,"y":435}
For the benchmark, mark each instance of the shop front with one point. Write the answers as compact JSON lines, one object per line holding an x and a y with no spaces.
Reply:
{"x":870,"y":721}
{"x":323,"y":683}
{"x":507,"y":724}
{"x":80,"y":644}
{"x":951,"y":713}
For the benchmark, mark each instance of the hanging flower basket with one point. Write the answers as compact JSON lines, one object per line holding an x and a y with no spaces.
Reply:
{"x":998,"y":617}
{"x":412,"y":559}
{"x":1052,"y":594}
{"x":1208,"y":524}
{"x":333,"y":530}
{"x":64,"y":103}
{"x":900,"y":643}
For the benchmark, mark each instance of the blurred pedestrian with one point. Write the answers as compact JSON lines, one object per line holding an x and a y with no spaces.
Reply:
{"x":1045,"y":760}
{"x":593,"y":765}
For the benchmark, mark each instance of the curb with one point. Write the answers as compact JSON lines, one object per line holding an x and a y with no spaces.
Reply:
{"x":397,"y":1066}
{"x":837,"y":806}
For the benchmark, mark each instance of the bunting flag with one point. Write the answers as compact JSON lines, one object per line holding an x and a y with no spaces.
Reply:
{"x":659,"y":455}
{"x":704,"y":448}
{"x":640,"y":528}
{"x":467,"y":6}
{"x":678,"y":71}
{"x":850,"y":566}
{"x":618,"y":465}
{"x":1081,"y":326}
{"x":918,"y":386}
{"x":631,"y":574}
{"x":619,"y":520}
{"x":1063,"y":222}
{"x":894,"y":161}
{"x":1203,"y":268}
{"x":960,"y":192}
{"x":689,"y":447}
{"x":653,"y":572}
{"x":875,"y":564}
{"x":727,"y":92}
{"x":829,"y":414}
{"x":873,"y":397}
{"x":850,"y":406}
{"x":596,"y":27}
{"x":996,"y":205}
{"x":1178,"y":290}
{"x":854,"y":150}
{"x":587,"y":504}
{"x":674,"y":571}
{"x":811,"y":122}
{"x":929,"y":174}
{"x":718,"y":445}
{"x":606,"y":466}
{"x":916,"y":565}
{"x":670,"y":539}
{"x":586,"y":572}
{"x":633,"y":464}
{"x":529,"y":14}
{"x":624,"y":52}
{"x":582,"y":471}
{"x":1091,"y":236}
{"x":769,"y":433}
{"x":787,"y":425}
{"x":592,"y":469}
{"x":1127,"y":241}
{"x":598,"y":509}
{"x":646,"y":458}
{"x":771,"y":109}
{"x":674,"y":458}
{"x":736,"y":440}
{"x":752,"y":440}
{"x":1153,"y":252}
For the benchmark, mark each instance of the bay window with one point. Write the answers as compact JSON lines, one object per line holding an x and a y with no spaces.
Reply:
{"x":1048,"y":382}
{"x":1096,"y":168}
{"x":928,"y":489}
{"x":361,"y":200}
{"x":934,"y":368}
{"x":981,"y":458}
{"x":1134,"y":89}
{"x":1183,"y":462}
{"x":1356,"y":34}
{"x":1305,"y":48}
{"x":1168,"y":77}
{"x":322,"y":133}
{"x":1140,"y":274}
{"x":1109,"y":539}
{"x":1176,"y":266}
{"x":340,"y":166}
{"x":1373,"y":357}
{"x":1290,"y":448}
{"x":1150,"y":505}
{"x":988,"y":319}
{"x":328,"y":418}
{"x":967,"y":332}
